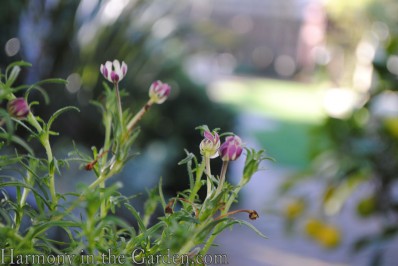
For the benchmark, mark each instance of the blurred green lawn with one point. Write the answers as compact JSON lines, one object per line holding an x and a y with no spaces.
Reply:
{"x":295,"y":107}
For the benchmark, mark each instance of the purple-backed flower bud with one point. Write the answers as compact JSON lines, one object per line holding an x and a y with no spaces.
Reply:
{"x":18,"y":108}
{"x":113,"y":71}
{"x":210,"y":144}
{"x":159,"y":91}
{"x":231,"y":149}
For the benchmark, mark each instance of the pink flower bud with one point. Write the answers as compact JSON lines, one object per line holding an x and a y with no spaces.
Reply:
{"x":231,"y":149}
{"x":210,"y":144}
{"x":113,"y":71}
{"x":18,"y":108}
{"x":158,"y":92}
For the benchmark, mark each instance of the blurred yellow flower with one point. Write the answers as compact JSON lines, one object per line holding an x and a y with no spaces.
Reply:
{"x":328,"y":236}
{"x":294,"y":209}
{"x":312,"y":227}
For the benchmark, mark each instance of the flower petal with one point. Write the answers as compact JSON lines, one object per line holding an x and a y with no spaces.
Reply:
{"x":124,"y":68}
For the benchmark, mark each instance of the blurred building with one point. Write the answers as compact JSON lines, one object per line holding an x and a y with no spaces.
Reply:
{"x":271,"y":38}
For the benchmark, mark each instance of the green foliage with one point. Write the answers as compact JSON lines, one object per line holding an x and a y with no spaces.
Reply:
{"x":89,"y":231}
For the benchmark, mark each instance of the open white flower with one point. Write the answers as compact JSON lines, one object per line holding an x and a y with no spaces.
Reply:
{"x":113,"y":71}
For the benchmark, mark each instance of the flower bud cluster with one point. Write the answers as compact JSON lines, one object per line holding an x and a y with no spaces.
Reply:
{"x":211,"y":146}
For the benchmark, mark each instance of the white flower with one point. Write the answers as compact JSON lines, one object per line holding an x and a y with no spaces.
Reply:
{"x":113,"y":71}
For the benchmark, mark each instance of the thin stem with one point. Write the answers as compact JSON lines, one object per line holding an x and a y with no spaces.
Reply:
{"x":45,"y":141}
{"x":232,"y":197}
{"x":139,"y":115}
{"x":22,"y":202}
{"x":208,"y":174}
{"x":25,"y":192}
{"x":191,"y":242}
{"x":209,"y":242}
{"x":119,"y":105}
{"x":103,"y":202}
{"x":223,"y":213}
{"x":101,"y":179}
{"x":51,"y":170}
{"x":222,"y":177}
{"x":252,"y":214}
{"x":33,"y":121}
{"x":196,"y":187}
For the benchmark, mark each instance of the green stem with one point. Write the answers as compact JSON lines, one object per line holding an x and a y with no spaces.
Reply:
{"x":103,"y":201}
{"x":191,"y":243}
{"x":139,"y":115}
{"x":45,"y":141}
{"x":33,"y":121}
{"x":97,"y":182}
{"x":119,"y":106}
{"x":22,"y":202}
{"x":222,"y":177}
{"x":208,"y":174}
{"x":26,"y":191}
{"x":196,"y":187}
{"x":51,"y":170}
{"x":101,"y":179}
{"x":209,"y":242}
{"x":231,"y":199}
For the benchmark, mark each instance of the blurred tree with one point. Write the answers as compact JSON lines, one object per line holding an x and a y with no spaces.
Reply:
{"x":70,"y":39}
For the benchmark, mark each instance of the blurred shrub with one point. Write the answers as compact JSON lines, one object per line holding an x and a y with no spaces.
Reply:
{"x":359,"y":151}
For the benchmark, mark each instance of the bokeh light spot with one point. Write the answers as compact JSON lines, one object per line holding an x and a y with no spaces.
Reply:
{"x":163,"y":27}
{"x":392,"y":64}
{"x":285,"y":65}
{"x":262,"y":56}
{"x":74,"y":83}
{"x":339,"y":102}
{"x":12,"y":46}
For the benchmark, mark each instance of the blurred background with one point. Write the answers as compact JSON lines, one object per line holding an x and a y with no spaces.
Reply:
{"x":314,"y":82}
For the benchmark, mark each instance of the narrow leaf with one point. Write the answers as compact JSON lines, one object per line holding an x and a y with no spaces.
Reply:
{"x":137,"y":216}
{"x":58,"y":113}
